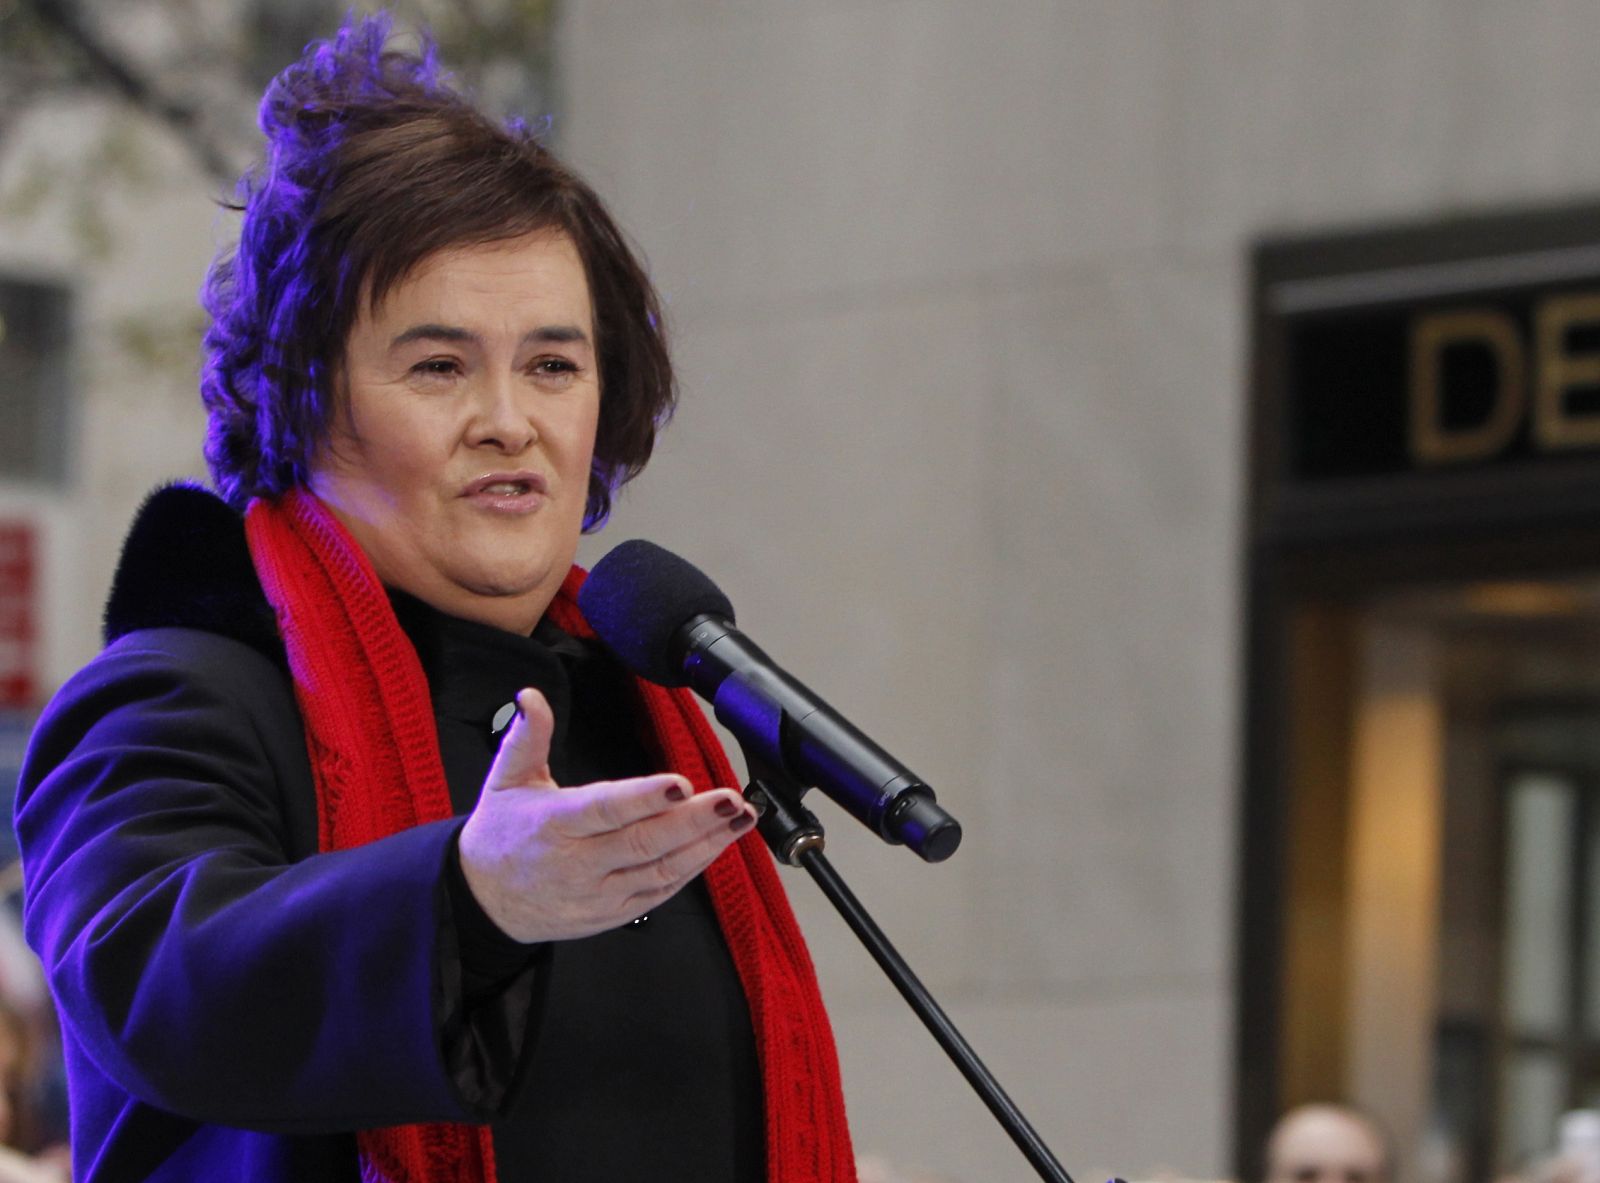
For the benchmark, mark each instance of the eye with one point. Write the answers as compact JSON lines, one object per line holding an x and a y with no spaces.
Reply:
{"x":437,"y":367}
{"x":553,"y":371}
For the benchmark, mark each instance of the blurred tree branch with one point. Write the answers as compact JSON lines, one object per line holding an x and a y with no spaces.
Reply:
{"x":202,"y":83}
{"x":117,"y":72}
{"x":196,"y":69}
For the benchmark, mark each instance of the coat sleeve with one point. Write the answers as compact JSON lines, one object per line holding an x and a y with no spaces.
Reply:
{"x":205,"y":959}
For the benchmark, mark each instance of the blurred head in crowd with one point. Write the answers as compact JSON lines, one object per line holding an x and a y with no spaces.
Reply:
{"x":375,"y":168}
{"x":1328,"y":1144}
{"x":15,"y":1047}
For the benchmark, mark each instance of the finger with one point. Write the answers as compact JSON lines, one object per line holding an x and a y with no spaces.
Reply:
{"x":524,"y":757}
{"x":649,"y":840}
{"x":665,"y":876}
{"x":610,"y":807}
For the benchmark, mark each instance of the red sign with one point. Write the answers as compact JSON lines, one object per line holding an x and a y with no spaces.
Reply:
{"x":19,"y":628}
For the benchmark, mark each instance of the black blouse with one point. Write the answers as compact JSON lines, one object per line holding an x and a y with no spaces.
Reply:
{"x":642,"y":1061}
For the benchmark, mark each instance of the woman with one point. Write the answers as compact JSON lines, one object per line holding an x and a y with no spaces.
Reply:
{"x":310,"y":898}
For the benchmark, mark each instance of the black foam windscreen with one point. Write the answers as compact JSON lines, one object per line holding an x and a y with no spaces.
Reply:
{"x":638,"y":597}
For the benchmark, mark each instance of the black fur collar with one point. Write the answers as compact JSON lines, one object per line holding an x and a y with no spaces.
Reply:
{"x":186,"y":564}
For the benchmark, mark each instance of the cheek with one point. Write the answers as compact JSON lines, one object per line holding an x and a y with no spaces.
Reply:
{"x":577,"y":438}
{"x":400,"y":453}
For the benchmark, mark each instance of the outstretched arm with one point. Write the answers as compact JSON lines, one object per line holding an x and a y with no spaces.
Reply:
{"x":203,"y":957}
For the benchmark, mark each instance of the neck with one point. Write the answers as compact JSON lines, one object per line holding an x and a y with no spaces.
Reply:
{"x":513,"y":614}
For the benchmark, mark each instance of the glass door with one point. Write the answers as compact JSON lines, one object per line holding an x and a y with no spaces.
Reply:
{"x":1442,"y":936}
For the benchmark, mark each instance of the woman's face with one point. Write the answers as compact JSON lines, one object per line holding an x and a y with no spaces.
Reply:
{"x":459,"y":452}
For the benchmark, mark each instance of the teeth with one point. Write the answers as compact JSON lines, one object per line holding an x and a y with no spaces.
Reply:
{"x":502,"y":487}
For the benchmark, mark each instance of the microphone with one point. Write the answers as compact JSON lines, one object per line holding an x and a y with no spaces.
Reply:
{"x":668,"y":623}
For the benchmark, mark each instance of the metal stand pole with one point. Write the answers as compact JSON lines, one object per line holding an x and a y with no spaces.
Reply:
{"x":795,"y":837}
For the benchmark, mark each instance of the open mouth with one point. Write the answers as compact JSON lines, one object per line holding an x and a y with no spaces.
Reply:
{"x":507,"y":484}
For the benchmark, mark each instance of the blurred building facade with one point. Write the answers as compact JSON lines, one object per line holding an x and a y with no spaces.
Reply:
{"x":962,"y":301}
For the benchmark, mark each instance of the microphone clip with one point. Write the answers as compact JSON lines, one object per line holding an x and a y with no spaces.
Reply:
{"x":788,"y":827}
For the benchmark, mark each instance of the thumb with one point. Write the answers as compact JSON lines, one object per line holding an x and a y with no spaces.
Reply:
{"x":524,"y":757}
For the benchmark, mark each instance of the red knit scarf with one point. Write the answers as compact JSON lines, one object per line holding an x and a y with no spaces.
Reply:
{"x":375,"y":757}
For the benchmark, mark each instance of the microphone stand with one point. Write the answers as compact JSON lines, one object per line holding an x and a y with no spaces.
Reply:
{"x":794,"y":835}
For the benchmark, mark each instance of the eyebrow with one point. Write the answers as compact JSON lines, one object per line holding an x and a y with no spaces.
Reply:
{"x":544,"y":334}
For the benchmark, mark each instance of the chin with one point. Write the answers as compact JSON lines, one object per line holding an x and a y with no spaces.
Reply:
{"x":506,"y":582}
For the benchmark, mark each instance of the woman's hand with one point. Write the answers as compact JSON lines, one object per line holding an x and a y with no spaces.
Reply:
{"x":550,"y":864}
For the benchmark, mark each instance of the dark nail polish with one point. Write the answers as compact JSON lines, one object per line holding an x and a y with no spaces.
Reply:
{"x":726,"y":808}
{"x":741,"y":823}
{"x":676,"y":792}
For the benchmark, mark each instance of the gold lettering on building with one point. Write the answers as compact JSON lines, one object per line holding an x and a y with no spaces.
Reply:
{"x":1559,"y":372}
{"x":1430,"y":441}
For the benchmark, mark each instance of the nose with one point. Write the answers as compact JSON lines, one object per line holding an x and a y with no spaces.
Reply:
{"x":498,"y":421}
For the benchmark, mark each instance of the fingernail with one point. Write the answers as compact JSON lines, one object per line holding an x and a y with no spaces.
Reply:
{"x":676,"y":791}
{"x":741,"y":823}
{"x":726,"y":808}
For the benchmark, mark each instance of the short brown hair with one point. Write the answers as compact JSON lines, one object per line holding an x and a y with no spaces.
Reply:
{"x":373,"y":164}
